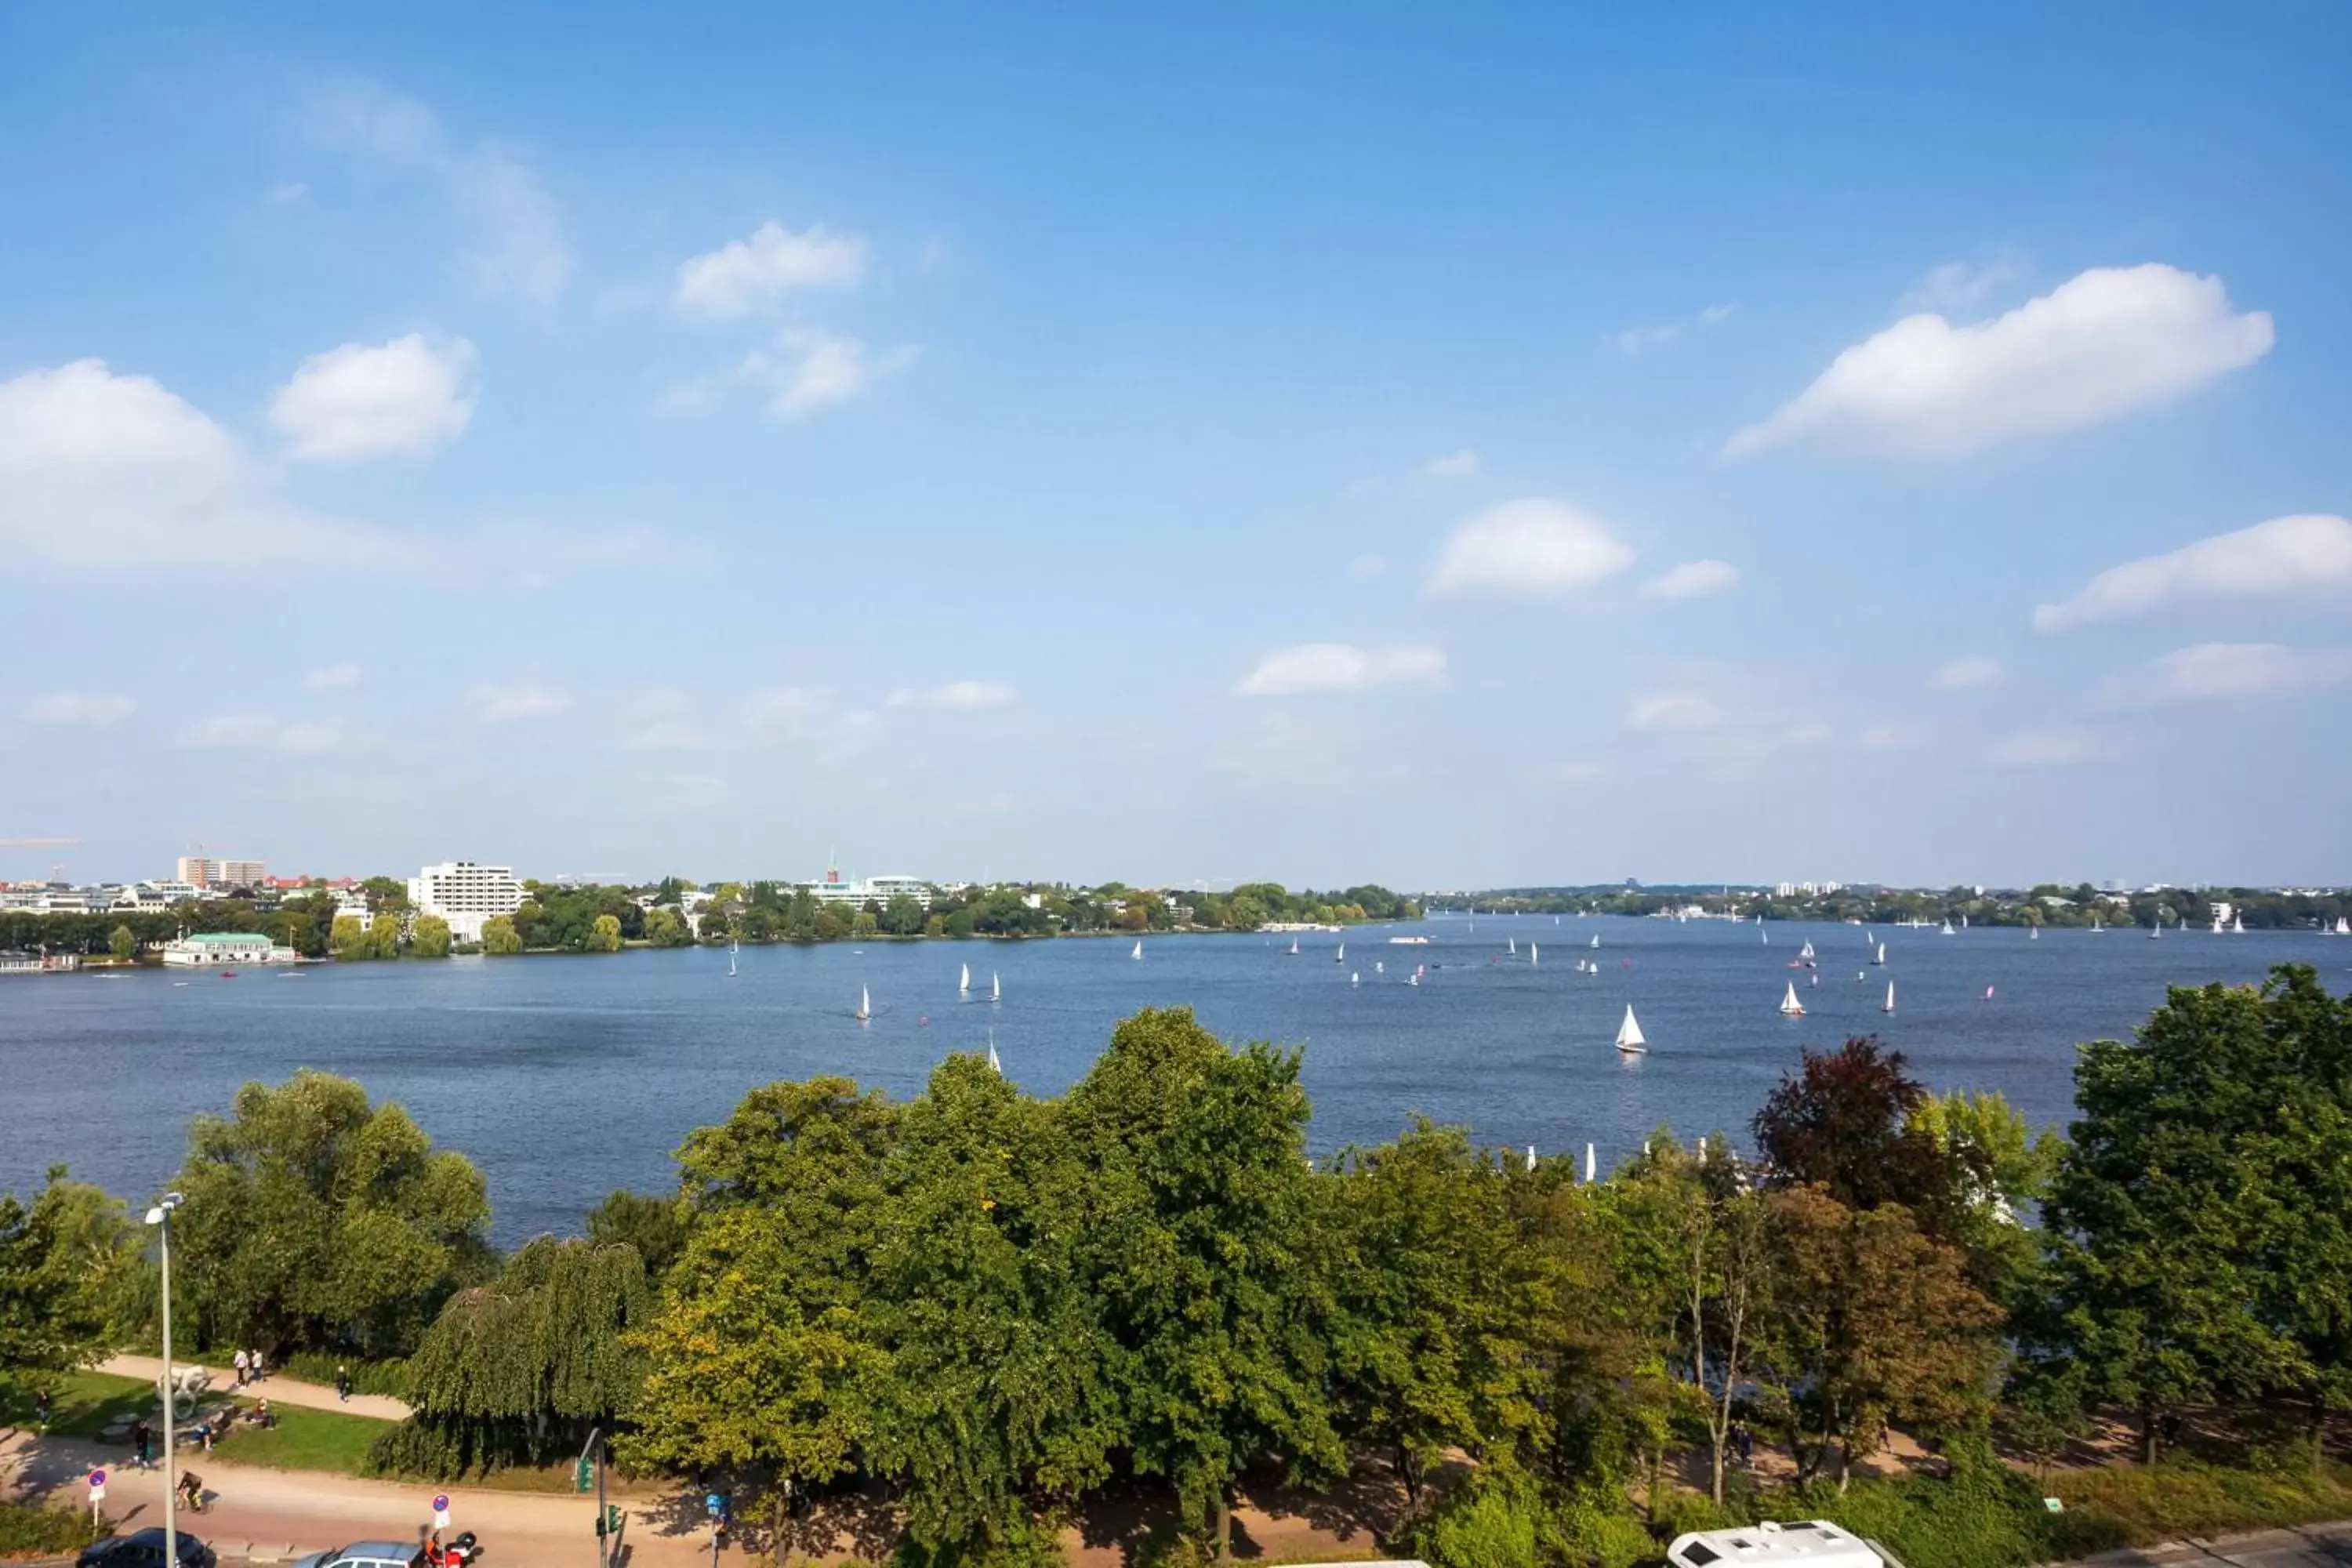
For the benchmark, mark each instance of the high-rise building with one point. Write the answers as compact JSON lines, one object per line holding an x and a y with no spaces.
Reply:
{"x":205,"y":871}
{"x":466,"y":894}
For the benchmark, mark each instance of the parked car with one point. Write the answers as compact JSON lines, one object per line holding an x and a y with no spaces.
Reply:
{"x":366,"y":1554}
{"x":143,"y":1549}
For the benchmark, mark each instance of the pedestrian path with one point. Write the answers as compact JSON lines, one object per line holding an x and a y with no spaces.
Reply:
{"x":276,"y":1388}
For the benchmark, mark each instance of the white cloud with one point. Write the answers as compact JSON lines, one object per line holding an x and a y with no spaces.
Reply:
{"x":107,"y":473}
{"x":85,"y":710}
{"x":2105,"y":343}
{"x":970,"y":695}
{"x":1460,"y":465}
{"x":1635,"y":341}
{"x":402,"y":398}
{"x":515,"y":231}
{"x":2309,"y":553}
{"x":516,"y":704}
{"x":1672,"y":713}
{"x":2217,"y":669}
{"x":1693,"y":580}
{"x":2043,"y":749}
{"x":1318,"y":669}
{"x":1956,"y":285}
{"x":1528,"y":548}
{"x":746,"y":274}
{"x":811,"y":370}
{"x":332,"y":677}
{"x":1969,"y":673}
{"x":265,"y":732}
{"x":782,"y":711}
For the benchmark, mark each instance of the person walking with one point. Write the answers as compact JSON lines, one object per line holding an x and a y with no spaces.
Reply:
{"x":142,"y":1436}
{"x":342,"y":1383}
{"x":192,"y":1491}
{"x":41,"y":1410}
{"x":254,"y":1364}
{"x":242,"y":1367}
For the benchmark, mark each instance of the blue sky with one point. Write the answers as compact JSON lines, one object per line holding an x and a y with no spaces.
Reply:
{"x":1473,"y":445}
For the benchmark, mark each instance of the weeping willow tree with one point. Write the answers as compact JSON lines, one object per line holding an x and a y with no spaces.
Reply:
{"x":517,"y":1371}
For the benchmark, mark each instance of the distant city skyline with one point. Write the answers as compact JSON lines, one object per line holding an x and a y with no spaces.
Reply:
{"x":1511,"y":448}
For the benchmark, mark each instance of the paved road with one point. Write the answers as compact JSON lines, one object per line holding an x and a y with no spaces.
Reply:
{"x":2307,"y":1546}
{"x":281,"y":1389}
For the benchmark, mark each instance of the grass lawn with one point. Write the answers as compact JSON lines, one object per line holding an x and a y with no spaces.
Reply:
{"x":2181,"y":1498}
{"x":305,"y":1439}
{"x":84,"y":1403}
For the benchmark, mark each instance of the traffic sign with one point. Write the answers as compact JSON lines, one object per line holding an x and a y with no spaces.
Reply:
{"x":97,"y":1485}
{"x":441,"y":1511}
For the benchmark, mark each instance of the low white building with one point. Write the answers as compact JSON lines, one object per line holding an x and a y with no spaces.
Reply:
{"x":467,"y":894}
{"x":226,"y":948}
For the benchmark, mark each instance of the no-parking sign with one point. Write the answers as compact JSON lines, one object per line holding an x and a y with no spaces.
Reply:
{"x":441,"y":1511}
{"x":97,"y":1485}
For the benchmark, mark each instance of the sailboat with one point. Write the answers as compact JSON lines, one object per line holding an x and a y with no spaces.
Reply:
{"x":1596,"y":939}
{"x":1790,"y":1006}
{"x":1340,"y":957}
{"x":1630,"y":1041}
{"x":2343,"y":927}
{"x":1761,"y":934}
{"x":993,"y":1065}
{"x":1806,"y":952}
{"x":1294,"y":947}
{"x":1531,"y":955}
{"x":1590,"y":1164}
{"x":1511,"y":945}
{"x":1988,"y":995}
{"x":1889,"y":1005}
{"x":1379,"y":967}
{"x":1947,"y":926}
{"x":1418,"y":970}
{"x":2156,"y":931}
{"x":2237,"y":925}
{"x":2034,"y":933}
{"x":865,"y":1006}
{"x":995,"y":988}
{"x":1531,"y":1156}
{"x":963,"y":981}
{"x":2217,"y":925}
{"x":1138,"y":949}
{"x":1880,"y":956}
{"x":1355,"y":977}
{"x":731,"y":964}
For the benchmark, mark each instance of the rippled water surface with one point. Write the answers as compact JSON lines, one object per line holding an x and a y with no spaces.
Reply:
{"x":565,"y":1078}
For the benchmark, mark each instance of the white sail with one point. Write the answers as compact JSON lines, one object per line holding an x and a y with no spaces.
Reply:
{"x":2034,"y":933}
{"x":1340,"y":957}
{"x":1629,"y":1032}
{"x":1790,"y":1005}
{"x":1948,"y":925}
{"x":1591,"y":1165}
{"x":2343,"y":927}
{"x":1890,"y":998}
{"x":731,"y":966}
{"x":1511,"y":945}
{"x":1138,"y":949}
{"x":1355,"y":977}
{"x":1379,"y":967}
{"x":1531,"y":1156}
{"x":1294,"y":947}
{"x":994,"y":1065}
{"x":2218,"y":927}
{"x":963,"y":981}
{"x":1881,"y":958}
{"x":995,"y":988}
{"x":1596,"y":939}
{"x":1532,"y":956}
{"x":2237,"y":926}
{"x":1806,"y":951}
{"x":864,"y":1004}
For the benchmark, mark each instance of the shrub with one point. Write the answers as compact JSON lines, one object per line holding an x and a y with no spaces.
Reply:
{"x":32,"y":1530}
{"x":1489,"y":1521}
{"x":384,"y":1377}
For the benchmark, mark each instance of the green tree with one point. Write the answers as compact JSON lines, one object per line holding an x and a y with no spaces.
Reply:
{"x":604,"y":935}
{"x":2198,"y":1243}
{"x":656,"y":1226}
{"x":904,"y":915}
{"x":429,"y":937}
{"x":1000,"y":1402}
{"x":351,"y":940}
{"x":123,"y":944}
{"x":316,"y":1221}
{"x":1197,"y":1242}
{"x":517,"y":1371}
{"x":666,"y":928}
{"x":71,"y":1280}
{"x":499,"y":937}
{"x":761,"y":1358}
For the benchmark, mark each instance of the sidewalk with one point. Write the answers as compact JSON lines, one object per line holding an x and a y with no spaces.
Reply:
{"x":276,"y":1388}
{"x":2302,"y":1546}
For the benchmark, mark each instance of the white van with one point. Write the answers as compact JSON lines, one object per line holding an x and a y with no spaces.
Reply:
{"x":1800,"y":1543}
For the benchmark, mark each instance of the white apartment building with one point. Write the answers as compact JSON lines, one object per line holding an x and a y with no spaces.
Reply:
{"x":836,"y":890}
{"x":466,"y":894}
{"x":152,"y":897}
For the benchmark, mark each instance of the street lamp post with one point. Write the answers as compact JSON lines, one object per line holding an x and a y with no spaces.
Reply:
{"x":160,"y":1217}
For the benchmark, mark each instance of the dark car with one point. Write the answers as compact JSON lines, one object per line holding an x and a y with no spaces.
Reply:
{"x":143,"y":1549}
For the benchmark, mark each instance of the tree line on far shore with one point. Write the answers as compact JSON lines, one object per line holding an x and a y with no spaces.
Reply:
{"x":988,"y":1307}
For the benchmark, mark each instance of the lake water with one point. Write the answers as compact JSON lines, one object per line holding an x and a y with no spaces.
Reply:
{"x":565,"y":1078}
